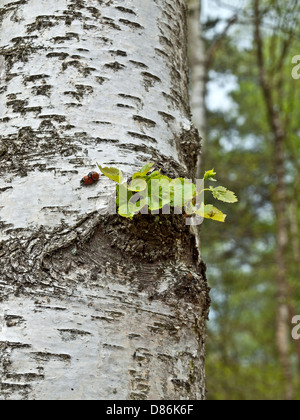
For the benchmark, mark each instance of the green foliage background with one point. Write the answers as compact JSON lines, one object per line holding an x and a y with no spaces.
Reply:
{"x":242,"y":359}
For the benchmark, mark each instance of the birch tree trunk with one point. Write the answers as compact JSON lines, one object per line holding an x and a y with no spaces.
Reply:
{"x":91,"y":306}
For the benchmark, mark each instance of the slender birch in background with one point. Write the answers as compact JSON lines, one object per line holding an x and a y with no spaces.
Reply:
{"x":197,"y":63}
{"x":279,"y":127}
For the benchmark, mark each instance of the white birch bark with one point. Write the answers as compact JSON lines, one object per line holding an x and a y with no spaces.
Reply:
{"x":91,"y":306}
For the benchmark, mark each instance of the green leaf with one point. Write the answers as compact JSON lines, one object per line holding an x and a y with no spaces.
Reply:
{"x":177,"y":198}
{"x":136,"y":204}
{"x":182,"y":192}
{"x":143,"y":172}
{"x":124,"y":211}
{"x":112,"y":173}
{"x":189,"y":191}
{"x":123,"y":194}
{"x":210,"y":175}
{"x":159,"y":193}
{"x":211,"y":212}
{"x":222,"y":194}
{"x":156,"y":191}
{"x":137,"y":185}
{"x":190,"y":209}
{"x":154,"y":175}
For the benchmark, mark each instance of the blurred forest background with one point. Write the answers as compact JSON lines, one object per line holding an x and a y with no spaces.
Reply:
{"x":246,"y":104}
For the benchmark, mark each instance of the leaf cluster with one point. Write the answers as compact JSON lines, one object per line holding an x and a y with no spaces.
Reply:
{"x":150,"y":190}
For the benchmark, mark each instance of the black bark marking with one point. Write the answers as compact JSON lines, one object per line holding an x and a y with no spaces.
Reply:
{"x":133,"y":25}
{"x":60,"y":55}
{"x":173,"y":101}
{"x":132,"y":336}
{"x":163,"y":54}
{"x":24,"y":377}
{"x":84,"y":69}
{"x":102,"y":122}
{"x":165,"y":42}
{"x":70,"y":36}
{"x":144,"y":121}
{"x":125,"y":106}
{"x":139,"y":64}
{"x":151,"y":77}
{"x":96,"y":13}
{"x":35,"y":77}
{"x":13,"y":320}
{"x":5,"y":188}
{"x":44,"y":22}
{"x":47,"y":357}
{"x":101,"y":80}
{"x":103,"y":140}
{"x":102,"y":318}
{"x":12,"y":388}
{"x":118,"y":53}
{"x":166,"y":117}
{"x":125,"y":10}
{"x":52,"y":308}
{"x":17,"y":105}
{"x":4,"y":345}
{"x":112,"y":346}
{"x":115,"y":66}
{"x":142,"y":136}
{"x":140,"y":374}
{"x":43,"y":90}
{"x":81,"y":92}
{"x":54,"y":117}
{"x":133,"y":98}
{"x":110,"y":23}
{"x":72,"y":334}
{"x":150,"y":80}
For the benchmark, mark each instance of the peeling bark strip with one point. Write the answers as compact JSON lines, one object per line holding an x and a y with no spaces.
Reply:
{"x":92,"y":307}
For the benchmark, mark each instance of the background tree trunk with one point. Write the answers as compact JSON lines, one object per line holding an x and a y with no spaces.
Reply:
{"x":283,"y":321}
{"x":198,"y":70}
{"x":94,"y":307}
